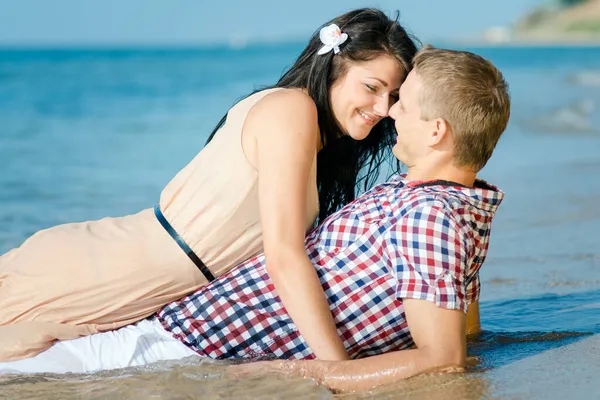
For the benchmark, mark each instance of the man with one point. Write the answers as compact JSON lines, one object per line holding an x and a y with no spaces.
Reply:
{"x":399,"y":265}
{"x":453,"y":107}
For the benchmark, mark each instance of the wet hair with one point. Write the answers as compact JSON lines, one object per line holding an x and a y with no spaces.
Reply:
{"x":343,"y":164}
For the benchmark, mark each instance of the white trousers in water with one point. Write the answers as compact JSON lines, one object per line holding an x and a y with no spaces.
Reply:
{"x":133,"y":345}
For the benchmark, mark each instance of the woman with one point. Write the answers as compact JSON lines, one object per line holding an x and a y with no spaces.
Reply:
{"x":276,"y":160}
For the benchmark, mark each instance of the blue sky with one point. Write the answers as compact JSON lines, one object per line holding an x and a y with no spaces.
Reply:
{"x":124,"y":22}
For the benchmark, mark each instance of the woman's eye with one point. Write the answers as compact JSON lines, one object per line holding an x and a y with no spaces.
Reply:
{"x":371,"y":88}
{"x":395,"y":96}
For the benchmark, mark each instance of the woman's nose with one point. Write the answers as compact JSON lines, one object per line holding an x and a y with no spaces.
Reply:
{"x":382,"y":106}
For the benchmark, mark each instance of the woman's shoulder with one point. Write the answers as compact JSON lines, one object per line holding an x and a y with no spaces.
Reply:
{"x":283,"y":110}
{"x":287,"y":102}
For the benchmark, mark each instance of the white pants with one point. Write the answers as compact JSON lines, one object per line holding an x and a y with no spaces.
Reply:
{"x":133,"y":345}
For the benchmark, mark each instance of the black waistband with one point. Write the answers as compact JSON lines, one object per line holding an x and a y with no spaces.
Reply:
{"x":190,"y":253}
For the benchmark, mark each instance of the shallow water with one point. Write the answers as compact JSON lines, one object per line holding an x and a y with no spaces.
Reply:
{"x":88,"y":134}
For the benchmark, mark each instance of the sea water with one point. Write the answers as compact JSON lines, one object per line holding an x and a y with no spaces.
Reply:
{"x":90,"y":133}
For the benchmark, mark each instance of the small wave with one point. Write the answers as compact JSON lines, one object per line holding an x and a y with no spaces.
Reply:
{"x":585,"y":78}
{"x":545,"y":259}
{"x":493,"y":338}
{"x":573,"y":118}
{"x":491,"y":350}
{"x":10,"y":379}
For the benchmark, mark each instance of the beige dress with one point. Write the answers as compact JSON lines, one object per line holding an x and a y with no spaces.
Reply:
{"x":81,"y":278}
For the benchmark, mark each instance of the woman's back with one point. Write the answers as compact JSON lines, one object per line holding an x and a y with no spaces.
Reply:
{"x":217,"y":213}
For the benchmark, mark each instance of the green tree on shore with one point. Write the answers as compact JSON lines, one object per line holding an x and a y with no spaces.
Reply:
{"x":570,"y":3}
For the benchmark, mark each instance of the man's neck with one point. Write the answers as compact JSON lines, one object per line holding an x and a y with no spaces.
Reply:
{"x":449,"y":173}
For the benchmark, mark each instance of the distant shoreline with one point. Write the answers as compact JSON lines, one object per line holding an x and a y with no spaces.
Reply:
{"x":526,"y":42}
{"x":571,"y":22}
{"x":193,"y":47}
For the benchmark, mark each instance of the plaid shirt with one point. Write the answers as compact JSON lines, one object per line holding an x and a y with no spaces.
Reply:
{"x":399,"y":240}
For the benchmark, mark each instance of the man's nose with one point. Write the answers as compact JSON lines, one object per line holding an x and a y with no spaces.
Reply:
{"x":392,"y":112}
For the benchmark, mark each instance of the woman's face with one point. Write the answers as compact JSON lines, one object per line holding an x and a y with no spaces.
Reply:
{"x":362,"y":97}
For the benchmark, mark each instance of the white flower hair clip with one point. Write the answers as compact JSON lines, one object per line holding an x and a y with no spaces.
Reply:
{"x":332,"y":37}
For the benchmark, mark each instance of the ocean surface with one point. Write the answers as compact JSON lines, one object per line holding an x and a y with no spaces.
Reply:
{"x":86,"y":134}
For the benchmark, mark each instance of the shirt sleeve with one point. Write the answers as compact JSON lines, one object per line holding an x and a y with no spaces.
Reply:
{"x":426,"y":251}
{"x":473,"y":289}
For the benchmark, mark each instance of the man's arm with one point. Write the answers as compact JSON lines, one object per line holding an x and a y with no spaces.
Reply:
{"x":431,"y":285}
{"x":438,"y":333}
{"x":473,"y":324}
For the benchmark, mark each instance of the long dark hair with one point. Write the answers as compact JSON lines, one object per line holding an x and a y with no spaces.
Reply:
{"x":344,"y":163}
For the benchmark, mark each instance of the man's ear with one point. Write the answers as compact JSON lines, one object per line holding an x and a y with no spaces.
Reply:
{"x":440,"y":129}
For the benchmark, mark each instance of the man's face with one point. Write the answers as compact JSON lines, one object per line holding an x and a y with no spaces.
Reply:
{"x":412,"y":131}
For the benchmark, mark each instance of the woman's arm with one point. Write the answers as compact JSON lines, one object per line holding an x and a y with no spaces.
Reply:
{"x":281,"y":139}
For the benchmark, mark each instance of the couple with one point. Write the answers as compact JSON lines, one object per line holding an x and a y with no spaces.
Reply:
{"x":399,"y":265}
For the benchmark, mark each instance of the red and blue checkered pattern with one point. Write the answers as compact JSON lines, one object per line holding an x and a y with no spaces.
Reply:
{"x":399,"y":240}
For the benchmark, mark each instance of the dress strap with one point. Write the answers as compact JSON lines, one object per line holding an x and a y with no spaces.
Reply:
{"x":190,"y":253}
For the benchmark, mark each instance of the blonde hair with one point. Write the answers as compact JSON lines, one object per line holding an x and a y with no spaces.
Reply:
{"x":470,"y":94}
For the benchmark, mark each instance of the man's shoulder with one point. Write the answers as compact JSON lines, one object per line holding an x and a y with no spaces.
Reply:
{"x":398,"y":198}
{"x":454,"y":201}
{"x":431,"y":212}
{"x":423,"y":200}
{"x":429,"y":207}
{"x":395,"y":199}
